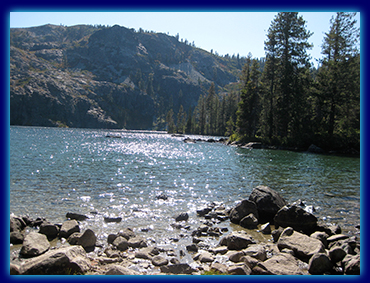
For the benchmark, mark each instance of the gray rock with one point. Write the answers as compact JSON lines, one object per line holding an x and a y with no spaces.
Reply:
{"x":335,"y":238}
{"x":76,"y":216}
{"x":147,"y":253}
{"x":182,"y":268}
{"x":280,"y":264}
{"x":16,"y":224}
{"x":241,"y":210}
{"x":87,"y":239}
{"x":127,"y":233}
{"x":219,"y":267}
{"x":257,"y":251}
{"x":203,"y":211}
{"x":351,"y":264}
{"x":137,"y":242}
{"x":120,"y":270}
{"x":250,"y":261}
{"x":159,"y":260}
{"x":237,"y":240}
{"x":250,"y":221}
{"x":73,"y":239}
{"x":319,"y":264}
{"x":206,"y":257}
{"x":65,"y":260}
{"x":336,"y":254}
{"x":297,"y":218}
{"x":268,"y":202}
{"x":51,"y":231}
{"x":14,"y":269}
{"x":68,"y":228}
{"x":192,"y":248}
{"x":111,"y":238}
{"x":235,"y":256}
{"x":303,"y":246}
{"x":322,"y":236}
{"x":16,"y":237}
{"x":34,"y":244}
{"x":121,"y":243}
{"x":112,"y":219}
{"x":182,"y":216}
{"x":266,"y":228}
{"x":239,"y":269}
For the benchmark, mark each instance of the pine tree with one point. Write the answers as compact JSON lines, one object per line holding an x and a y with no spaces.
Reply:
{"x":287,"y":44}
{"x":339,"y":79}
{"x":171,"y":127}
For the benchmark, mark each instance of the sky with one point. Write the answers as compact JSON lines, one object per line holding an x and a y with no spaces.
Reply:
{"x":224,"y":32}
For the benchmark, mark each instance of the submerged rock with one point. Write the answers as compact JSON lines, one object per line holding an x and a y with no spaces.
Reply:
{"x":76,"y":216}
{"x":182,"y":216}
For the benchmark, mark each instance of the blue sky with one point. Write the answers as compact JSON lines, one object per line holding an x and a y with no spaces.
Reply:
{"x":224,"y":32}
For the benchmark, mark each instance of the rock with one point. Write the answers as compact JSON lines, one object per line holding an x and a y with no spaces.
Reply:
{"x":250,"y":221}
{"x":192,"y":248}
{"x":76,"y":216}
{"x":336,"y":254}
{"x":319,"y":264}
{"x":147,"y":253}
{"x":335,"y":238}
{"x":315,"y":149}
{"x":206,"y":257}
{"x":182,"y":217}
{"x":219,"y":267}
{"x":73,"y":239}
{"x":203,"y":211}
{"x":87,"y":239}
{"x":120,"y":270}
{"x":276,"y":234}
{"x":297,"y":218}
{"x":111,"y":238}
{"x":351,"y":264}
{"x":279,"y":264}
{"x":239,"y":269}
{"x":182,"y":268}
{"x":62,"y":261}
{"x":34,"y":244}
{"x":257,"y":251}
{"x":237,"y":240}
{"x":266,"y":228}
{"x":241,"y":210}
{"x":162,"y":196}
{"x":303,"y":246}
{"x":16,"y":224}
{"x":121,"y":243}
{"x":127,"y":233}
{"x":137,"y":242}
{"x":322,"y":236}
{"x":112,"y":219}
{"x":250,"y":261}
{"x":16,"y":237}
{"x":51,"y":231}
{"x":159,"y":260}
{"x":68,"y":228}
{"x":268,"y":202}
{"x":235,"y":256}
{"x":14,"y":269}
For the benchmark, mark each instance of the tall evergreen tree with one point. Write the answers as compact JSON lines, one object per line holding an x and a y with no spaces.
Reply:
{"x":339,"y":78}
{"x":287,"y":44}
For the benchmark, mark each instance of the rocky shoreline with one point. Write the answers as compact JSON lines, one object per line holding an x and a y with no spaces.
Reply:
{"x":296,"y":244}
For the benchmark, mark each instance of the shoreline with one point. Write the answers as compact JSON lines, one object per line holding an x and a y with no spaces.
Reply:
{"x":235,"y":252}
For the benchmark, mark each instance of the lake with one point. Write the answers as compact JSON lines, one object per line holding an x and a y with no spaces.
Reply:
{"x":54,"y":171}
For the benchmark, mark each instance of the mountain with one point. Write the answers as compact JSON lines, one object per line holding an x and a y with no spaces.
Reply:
{"x":108,"y":77}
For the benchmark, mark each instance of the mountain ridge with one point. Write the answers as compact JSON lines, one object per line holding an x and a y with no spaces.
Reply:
{"x":108,"y":77}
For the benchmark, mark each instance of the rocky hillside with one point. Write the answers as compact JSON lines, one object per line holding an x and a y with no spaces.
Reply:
{"x":100,"y":77}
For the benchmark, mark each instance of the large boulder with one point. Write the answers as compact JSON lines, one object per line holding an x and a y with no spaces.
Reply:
{"x":319,"y":264}
{"x":62,"y":261}
{"x":180,"y":268}
{"x":68,"y":228}
{"x":34,"y":244}
{"x":241,"y":210}
{"x":303,"y":246}
{"x":279,"y":264}
{"x":87,"y":239}
{"x":268,"y":202}
{"x":120,"y":270}
{"x":49,"y":230}
{"x":237,"y":240}
{"x":297,"y":218}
